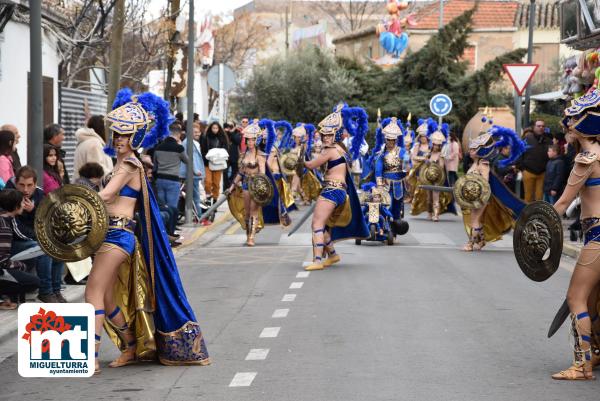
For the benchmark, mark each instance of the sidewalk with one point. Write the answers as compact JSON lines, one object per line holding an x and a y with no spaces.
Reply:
{"x":74,"y":293}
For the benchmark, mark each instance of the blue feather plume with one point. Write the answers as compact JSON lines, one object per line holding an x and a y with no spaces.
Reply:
{"x":507,"y":137}
{"x":271,"y":134}
{"x":310,"y":130}
{"x":368,"y":187}
{"x":287,"y":131}
{"x":356,"y":122}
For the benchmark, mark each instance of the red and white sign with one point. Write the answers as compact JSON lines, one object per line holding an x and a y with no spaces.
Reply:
{"x":520,"y":75}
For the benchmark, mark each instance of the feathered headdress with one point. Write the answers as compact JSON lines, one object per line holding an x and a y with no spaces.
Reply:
{"x":136,"y":114}
{"x":354,"y":120}
{"x":507,"y":137}
{"x":269,"y":126}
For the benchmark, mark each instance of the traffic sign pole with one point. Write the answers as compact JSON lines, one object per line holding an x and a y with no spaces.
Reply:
{"x":221,"y":94}
{"x":518,"y":117}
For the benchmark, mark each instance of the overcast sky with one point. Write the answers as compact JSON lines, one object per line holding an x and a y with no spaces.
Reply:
{"x":202,"y":7}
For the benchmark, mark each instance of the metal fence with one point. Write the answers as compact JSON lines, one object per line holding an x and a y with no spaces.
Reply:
{"x":72,"y":117}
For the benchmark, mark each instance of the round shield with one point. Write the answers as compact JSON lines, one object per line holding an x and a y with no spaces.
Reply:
{"x":538,"y":240}
{"x":431,"y":174}
{"x":289,"y":163}
{"x":71,"y":223}
{"x":471,"y":191}
{"x":261,"y":189}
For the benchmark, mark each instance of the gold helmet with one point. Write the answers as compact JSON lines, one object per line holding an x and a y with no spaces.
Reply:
{"x":252,"y":131}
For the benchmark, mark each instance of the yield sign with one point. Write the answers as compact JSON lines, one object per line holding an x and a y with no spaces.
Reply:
{"x":520,"y":75}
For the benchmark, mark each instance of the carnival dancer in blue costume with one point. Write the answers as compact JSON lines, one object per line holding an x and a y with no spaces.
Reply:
{"x":389,"y":165}
{"x":134,"y":284}
{"x":582,"y":122}
{"x":251,"y":215}
{"x":489,"y":221}
{"x":275,"y":167}
{"x":337,"y":214}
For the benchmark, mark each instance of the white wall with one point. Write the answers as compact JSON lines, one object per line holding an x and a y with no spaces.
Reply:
{"x":14,"y":66}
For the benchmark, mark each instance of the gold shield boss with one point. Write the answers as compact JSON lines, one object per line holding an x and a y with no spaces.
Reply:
{"x":431,"y":174}
{"x":472,"y":191}
{"x":71,"y":223}
{"x":261,"y":190}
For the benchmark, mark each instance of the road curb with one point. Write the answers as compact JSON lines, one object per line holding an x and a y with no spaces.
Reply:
{"x":200,"y":231}
{"x":75,"y":293}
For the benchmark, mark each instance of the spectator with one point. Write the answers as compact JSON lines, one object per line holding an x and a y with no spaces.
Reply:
{"x":15,"y":154}
{"x":235,"y":140}
{"x":167,"y":213}
{"x":52,"y":180}
{"x":179,"y":117}
{"x":508,"y":174}
{"x":554,"y":176}
{"x":214,"y":139}
{"x":91,"y":141}
{"x":452,"y":158}
{"x":7,"y":142}
{"x":49,"y":271}
{"x":198,"y":168}
{"x":533,"y":162}
{"x":243,"y":125}
{"x":54,"y":135}
{"x":90,"y":175}
{"x":167,"y":158}
{"x":14,"y":281}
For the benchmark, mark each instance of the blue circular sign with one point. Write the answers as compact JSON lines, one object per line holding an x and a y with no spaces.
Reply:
{"x":440,"y":105}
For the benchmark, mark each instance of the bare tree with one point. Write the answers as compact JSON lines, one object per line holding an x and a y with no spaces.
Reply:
{"x":84,"y":39}
{"x":350,"y":15}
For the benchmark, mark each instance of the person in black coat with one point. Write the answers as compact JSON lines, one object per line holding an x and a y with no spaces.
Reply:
{"x":235,"y":140}
{"x":554,"y":177}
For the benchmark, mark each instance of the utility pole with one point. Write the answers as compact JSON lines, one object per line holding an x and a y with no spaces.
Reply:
{"x":175,"y":4}
{"x":116,"y":52}
{"x":441,"y":14}
{"x":189,"y":179}
{"x":35,"y":139}
{"x":287,"y":30}
{"x":529,"y":59}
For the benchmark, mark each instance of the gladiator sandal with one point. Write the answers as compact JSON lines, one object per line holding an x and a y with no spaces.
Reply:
{"x":247,"y":221}
{"x":436,"y":212}
{"x":582,"y":352}
{"x":317,"y":263}
{"x":332,"y":256}
{"x":127,"y":356}
{"x":97,"y":370}
{"x":471,"y":242}
{"x":252,"y":230}
{"x":479,"y":239}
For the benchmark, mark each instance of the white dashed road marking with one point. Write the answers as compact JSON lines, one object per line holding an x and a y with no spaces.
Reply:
{"x":257,"y":354}
{"x":289,"y":298}
{"x":296,"y":285}
{"x":270,"y":332}
{"x":302,"y":274}
{"x":279,"y":313}
{"x":242,"y":379}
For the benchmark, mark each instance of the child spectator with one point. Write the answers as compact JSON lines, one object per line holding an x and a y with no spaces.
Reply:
{"x":7,"y":140}
{"x":52,"y":178}
{"x":554,"y":177}
{"x":90,"y":175}
{"x":14,"y":281}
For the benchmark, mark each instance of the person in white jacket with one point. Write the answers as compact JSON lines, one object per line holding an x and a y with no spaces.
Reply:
{"x":90,"y":146}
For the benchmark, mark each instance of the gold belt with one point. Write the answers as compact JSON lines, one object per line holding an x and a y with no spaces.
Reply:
{"x":334,"y":184}
{"x":121,"y":223}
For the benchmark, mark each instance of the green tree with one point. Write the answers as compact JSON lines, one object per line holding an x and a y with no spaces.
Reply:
{"x":301,"y":87}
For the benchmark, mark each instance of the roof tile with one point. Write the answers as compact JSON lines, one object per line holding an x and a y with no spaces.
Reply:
{"x":489,"y":14}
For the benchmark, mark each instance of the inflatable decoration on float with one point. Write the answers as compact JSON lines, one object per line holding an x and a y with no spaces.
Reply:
{"x":391,"y":35}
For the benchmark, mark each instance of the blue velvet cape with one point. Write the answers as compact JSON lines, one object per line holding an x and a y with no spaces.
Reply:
{"x":357,"y":228}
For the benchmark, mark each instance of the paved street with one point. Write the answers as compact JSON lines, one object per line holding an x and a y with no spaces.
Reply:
{"x":417,"y":321}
